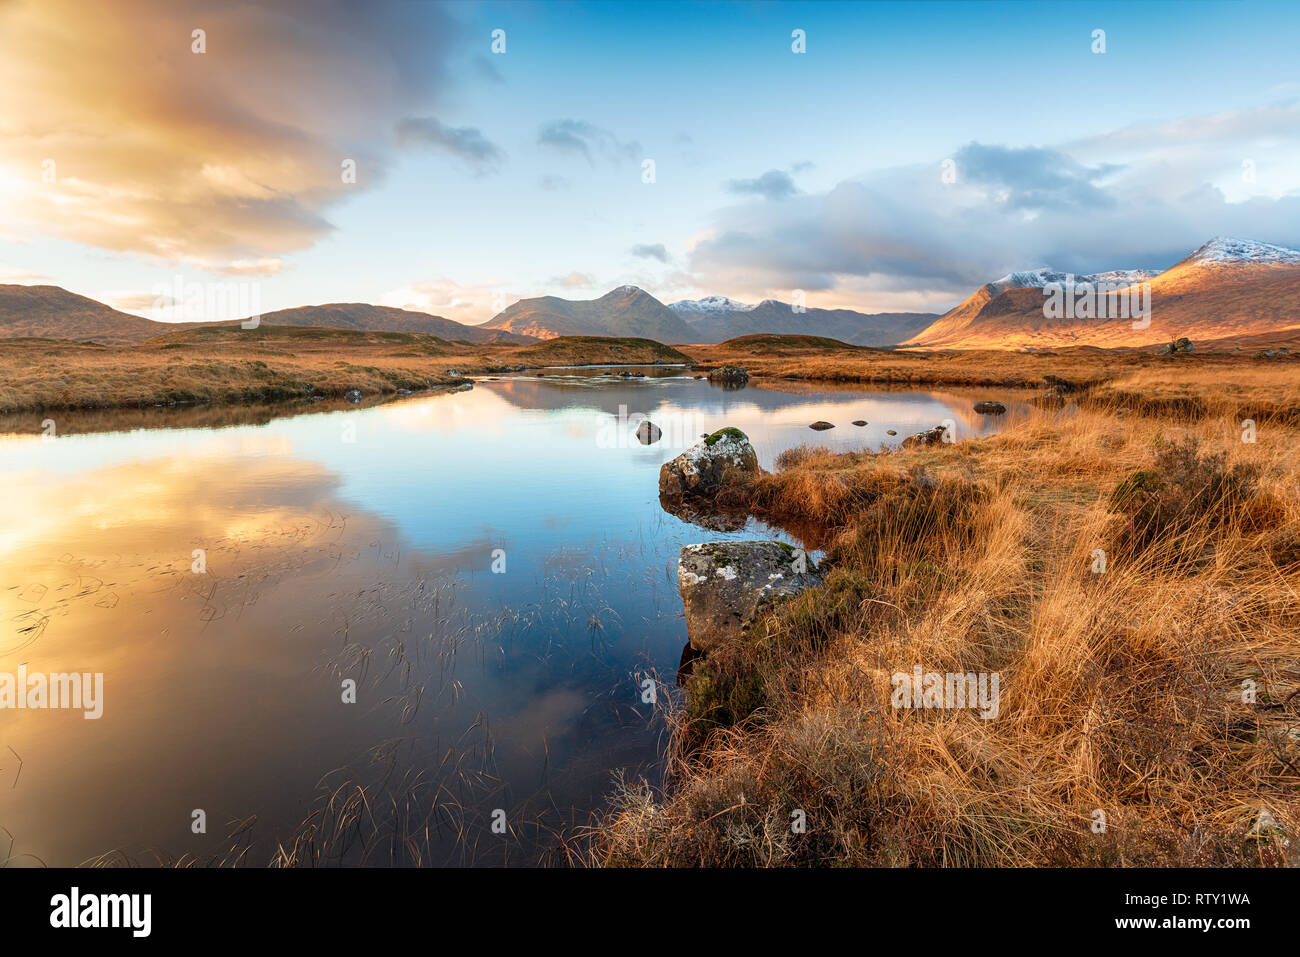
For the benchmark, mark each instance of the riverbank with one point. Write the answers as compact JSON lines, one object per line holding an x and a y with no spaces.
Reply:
{"x":1130,"y":579}
{"x":226,"y":366}
{"x":1214,"y":381}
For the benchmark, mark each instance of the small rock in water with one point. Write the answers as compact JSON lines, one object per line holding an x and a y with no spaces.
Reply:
{"x":821,"y":426}
{"x":733,"y":376}
{"x":859,"y":422}
{"x":890,"y":432}
{"x":990,"y":408}
{"x":647,"y":433}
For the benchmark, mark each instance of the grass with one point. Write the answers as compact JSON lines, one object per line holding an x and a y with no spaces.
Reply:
{"x":227,"y":365}
{"x":1132,"y":579}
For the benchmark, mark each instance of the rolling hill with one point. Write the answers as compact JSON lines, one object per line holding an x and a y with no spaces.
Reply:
{"x":51,"y":312}
{"x":367,"y":318}
{"x":627,"y":311}
{"x":1226,"y":289}
{"x":716,"y":319}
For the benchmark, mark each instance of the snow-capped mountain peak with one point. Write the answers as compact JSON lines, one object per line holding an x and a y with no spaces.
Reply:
{"x":1226,"y":251}
{"x":709,"y":304}
{"x":1044,"y":276}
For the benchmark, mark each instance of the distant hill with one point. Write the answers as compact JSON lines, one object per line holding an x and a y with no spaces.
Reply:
{"x":230,"y":334}
{"x":716,"y":319}
{"x":365,"y":317}
{"x":51,"y":312}
{"x":625,"y":311}
{"x":580,"y":350}
{"x":768,"y":342}
{"x":1228,"y":288}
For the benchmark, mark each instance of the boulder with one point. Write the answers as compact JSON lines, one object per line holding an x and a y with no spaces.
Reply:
{"x":733,"y":376}
{"x":1177,"y":347}
{"x":701,"y":470}
{"x":726,"y":586}
{"x":927,"y":438}
{"x":821,"y":425}
{"x":988,"y":407}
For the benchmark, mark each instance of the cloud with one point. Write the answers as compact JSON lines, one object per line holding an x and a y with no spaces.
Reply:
{"x":1030,"y":178}
{"x":575,"y":280}
{"x":121,"y":138}
{"x":17,"y":276}
{"x":584,"y":139}
{"x":465,"y":143}
{"x":774,"y":184}
{"x":552,"y":183}
{"x":464,"y":302}
{"x":144,"y":304}
{"x":645,"y":251}
{"x":903,"y":234}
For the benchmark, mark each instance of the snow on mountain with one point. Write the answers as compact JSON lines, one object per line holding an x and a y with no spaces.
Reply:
{"x":709,"y":304}
{"x":1044,"y":276}
{"x":1225,"y":251}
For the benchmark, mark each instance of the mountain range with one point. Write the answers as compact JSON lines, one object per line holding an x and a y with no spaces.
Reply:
{"x":54,"y":313}
{"x":631,"y":311}
{"x":717,"y":319}
{"x":625,"y":311}
{"x":1228,"y":288}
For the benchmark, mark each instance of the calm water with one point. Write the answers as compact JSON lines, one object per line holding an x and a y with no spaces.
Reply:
{"x":360,"y":544}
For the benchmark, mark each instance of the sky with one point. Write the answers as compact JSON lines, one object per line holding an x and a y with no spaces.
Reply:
{"x":908,"y":154}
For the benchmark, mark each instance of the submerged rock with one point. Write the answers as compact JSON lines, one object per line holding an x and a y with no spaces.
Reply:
{"x":727,"y":585}
{"x":701,"y":470}
{"x":988,"y":407}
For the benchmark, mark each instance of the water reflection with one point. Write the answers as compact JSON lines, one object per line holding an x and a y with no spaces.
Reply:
{"x":494,"y":576}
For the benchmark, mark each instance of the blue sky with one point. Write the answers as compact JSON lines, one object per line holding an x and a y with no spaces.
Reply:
{"x":774,"y":171}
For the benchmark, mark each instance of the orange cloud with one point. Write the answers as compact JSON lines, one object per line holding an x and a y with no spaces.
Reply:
{"x":119,"y":136}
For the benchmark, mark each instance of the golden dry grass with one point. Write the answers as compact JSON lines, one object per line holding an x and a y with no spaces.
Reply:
{"x":224,"y":365}
{"x":1121,"y":692}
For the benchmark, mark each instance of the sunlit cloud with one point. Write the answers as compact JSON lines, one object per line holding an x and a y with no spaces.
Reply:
{"x":120,"y":136}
